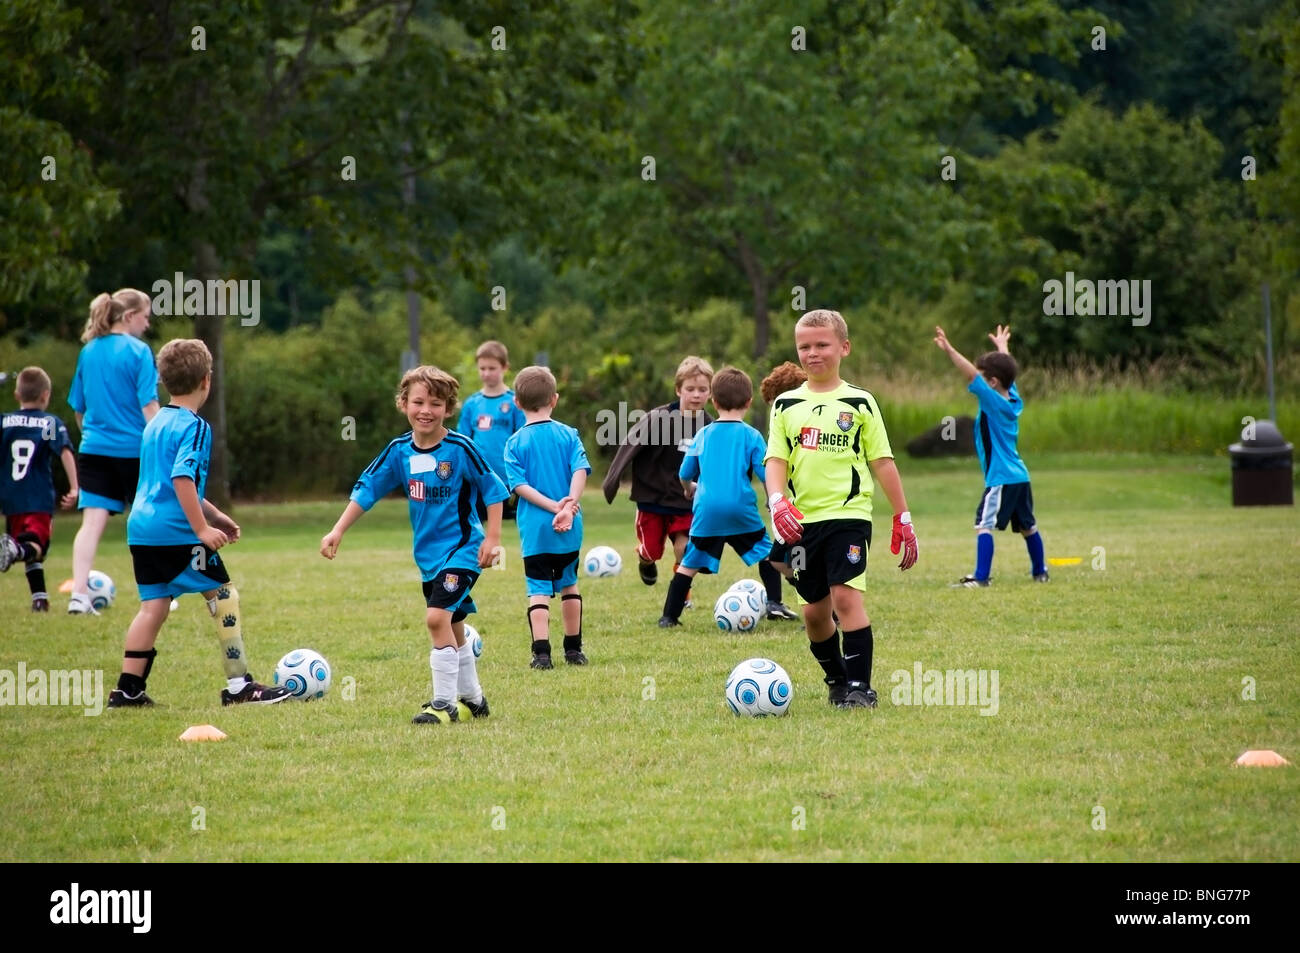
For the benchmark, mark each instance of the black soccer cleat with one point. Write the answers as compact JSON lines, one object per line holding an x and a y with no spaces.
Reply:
{"x":858,"y":695}
{"x":667,"y":622}
{"x":255,"y":693}
{"x":478,"y":711}
{"x":40,"y":604}
{"x":969,"y":582}
{"x":541,"y":662}
{"x":1043,"y":576}
{"x":779,"y":610}
{"x":839,"y":689}
{"x":574,"y":657}
{"x":648,"y":571}
{"x":120,"y":699}
{"x":438,"y":713}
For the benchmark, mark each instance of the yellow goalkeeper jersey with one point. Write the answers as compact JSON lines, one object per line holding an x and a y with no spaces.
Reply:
{"x":826,"y":440}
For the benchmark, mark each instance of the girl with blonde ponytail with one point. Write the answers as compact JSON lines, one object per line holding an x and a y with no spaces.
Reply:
{"x":115,"y":393}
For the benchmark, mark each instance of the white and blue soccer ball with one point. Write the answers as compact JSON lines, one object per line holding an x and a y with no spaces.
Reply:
{"x":474,"y":640}
{"x":758,"y":687}
{"x":602,"y":561}
{"x":749,"y":585}
{"x":305,"y":673}
{"x":101,"y":589}
{"x":736,"y":611}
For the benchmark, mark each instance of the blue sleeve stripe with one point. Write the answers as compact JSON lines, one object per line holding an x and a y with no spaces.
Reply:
{"x":471,"y":451}
{"x":379,"y":460}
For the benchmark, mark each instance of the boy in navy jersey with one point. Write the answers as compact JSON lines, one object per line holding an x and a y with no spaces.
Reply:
{"x":715,"y":475}
{"x":442,"y":473}
{"x":30,"y":439}
{"x":490,"y":416}
{"x":174,"y":535}
{"x":546,"y":465}
{"x":1007,"y":497}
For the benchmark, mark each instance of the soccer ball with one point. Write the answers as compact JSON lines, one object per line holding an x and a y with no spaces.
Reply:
{"x":101,"y":588}
{"x":758,"y":687}
{"x":474,"y":640}
{"x":749,"y":585}
{"x":736,"y":612}
{"x":602,"y":561}
{"x":305,"y":673}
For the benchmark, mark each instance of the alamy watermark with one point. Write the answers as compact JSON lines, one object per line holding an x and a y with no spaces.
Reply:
{"x":215,"y":297}
{"x":922,"y":686}
{"x":38,"y":687}
{"x":1084,"y":297}
{"x":623,"y":426}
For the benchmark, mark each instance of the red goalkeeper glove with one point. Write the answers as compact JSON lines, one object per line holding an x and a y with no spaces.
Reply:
{"x":905,"y":537}
{"x":787,"y":524}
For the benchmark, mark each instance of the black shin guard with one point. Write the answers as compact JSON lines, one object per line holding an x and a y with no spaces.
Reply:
{"x":678,"y":589}
{"x":540,"y":646}
{"x":572,"y":640}
{"x":134,"y":684}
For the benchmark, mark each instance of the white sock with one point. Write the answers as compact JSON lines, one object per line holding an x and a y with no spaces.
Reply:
{"x":445,"y":664}
{"x":236,"y":685}
{"x":467,"y":686}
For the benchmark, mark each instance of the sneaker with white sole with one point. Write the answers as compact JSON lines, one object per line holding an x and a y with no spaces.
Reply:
{"x":80,"y":605}
{"x":10,"y":551}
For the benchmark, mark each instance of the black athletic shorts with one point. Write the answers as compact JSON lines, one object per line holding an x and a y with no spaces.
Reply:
{"x":450,"y":590}
{"x":831,"y":552}
{"x":548,"y":573}
{"x":107,"y":482}
{"x":1009,"y":503}
{"x":171,"y":571}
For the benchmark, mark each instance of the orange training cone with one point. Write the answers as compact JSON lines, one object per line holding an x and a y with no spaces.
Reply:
{"x":203,"y":733}
{"x":1262,"y":759}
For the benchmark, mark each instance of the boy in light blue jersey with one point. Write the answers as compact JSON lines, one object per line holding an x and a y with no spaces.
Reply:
{"x":716,"y":476}
{"x":547,"y":466}
{"x":174,"y":535}
{"x":443,"y":474}
{"x":1007,"y":496}
{"x":491,"y":416}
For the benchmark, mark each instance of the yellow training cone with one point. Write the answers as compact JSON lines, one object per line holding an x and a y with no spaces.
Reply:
{"x":203,"y":733}
{"x":1262,"y":759}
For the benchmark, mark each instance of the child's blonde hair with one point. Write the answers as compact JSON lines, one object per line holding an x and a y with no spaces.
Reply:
{"x":182,"y":365}
{"x":32,"y":383}
{"x":823,"y":318}
{"x":107,"y":310}
{"x":692,"y":367}
{"x":493,"y":351}
{"x":440,"y":384}
{"x":534,"y":387}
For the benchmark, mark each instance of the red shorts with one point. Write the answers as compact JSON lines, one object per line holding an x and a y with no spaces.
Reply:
{"x":30,"y":527}
{"x":653,"y":528}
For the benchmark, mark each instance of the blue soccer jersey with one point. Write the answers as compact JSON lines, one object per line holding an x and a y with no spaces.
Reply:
{"x":29,"y":442}
{"x":115,"y":377}
{"x":997,"y":428}
{"x":721,"y":459}
{"x":489,"y":422}
{"x":176,"y":443}
{"x":545,"y":455}
{"x":440,"y":483}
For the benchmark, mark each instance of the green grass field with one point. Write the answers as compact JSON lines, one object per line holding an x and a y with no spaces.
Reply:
{"x":1119,"y":688}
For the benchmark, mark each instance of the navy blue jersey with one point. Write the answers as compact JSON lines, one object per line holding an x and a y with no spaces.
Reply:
{"x":997,"y":428}
{"x":176,"y":443}
{"x":545,"y":455}
{"x":440,"y":484}
{"x":115,"y":378}
{"x":489,"y":422}
{"x":721,"y":459}
{"x":29,"y":441}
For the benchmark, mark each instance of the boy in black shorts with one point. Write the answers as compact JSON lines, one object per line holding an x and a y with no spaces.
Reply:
{"x":826,"y":441}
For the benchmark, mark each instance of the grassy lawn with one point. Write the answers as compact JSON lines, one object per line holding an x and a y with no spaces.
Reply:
{"x":1120,"y":688}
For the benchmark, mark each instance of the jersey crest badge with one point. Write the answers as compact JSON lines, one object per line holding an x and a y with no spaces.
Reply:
{"x":845,"y":421}
{"x":443,"y":469}
{"x":505,"y":406}
{"x":855,"y":554}
{"x":450,"y":581}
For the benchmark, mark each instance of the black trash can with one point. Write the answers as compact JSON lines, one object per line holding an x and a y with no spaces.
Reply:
{"x":1261,"y":468}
